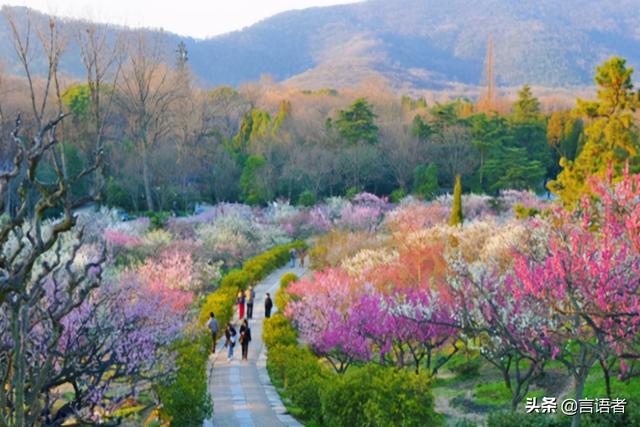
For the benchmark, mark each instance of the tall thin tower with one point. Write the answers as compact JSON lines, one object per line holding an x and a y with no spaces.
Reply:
{"x":488,"y":99}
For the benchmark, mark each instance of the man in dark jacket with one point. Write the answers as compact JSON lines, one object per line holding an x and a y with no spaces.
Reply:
{"x":245,"y":338}
{"x":268,"y":304}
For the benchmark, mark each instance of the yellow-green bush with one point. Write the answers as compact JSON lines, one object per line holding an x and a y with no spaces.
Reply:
{"x":374,"y":395}
{"x":236,"y":279}
{"x":221,"y":304}
{"x":278,"y":330}
{"x":282,"y":295}
{"x":287,"y":278}
{"x":185,"y":398}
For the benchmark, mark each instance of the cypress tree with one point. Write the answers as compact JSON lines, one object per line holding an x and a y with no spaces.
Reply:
{"x":456,"y":210}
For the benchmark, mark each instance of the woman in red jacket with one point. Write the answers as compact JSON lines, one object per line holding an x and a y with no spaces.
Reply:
{"x":240,"y":301}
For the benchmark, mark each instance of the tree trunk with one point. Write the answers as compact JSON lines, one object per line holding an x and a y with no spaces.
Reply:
{"x":580,"y":380}
{"x":145,"y":177}
{"x":607,"y":376}
{"x":19,"y":364}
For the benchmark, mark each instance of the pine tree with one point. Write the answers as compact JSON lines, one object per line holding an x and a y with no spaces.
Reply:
{"x":357,"y":123}
{"x":611,"y":136}
{"x":527,"y":107}
{"x":456,"y":210}
{"x":425,"y":181}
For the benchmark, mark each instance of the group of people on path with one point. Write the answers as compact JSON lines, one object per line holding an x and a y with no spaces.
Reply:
{"x":232,"y":336}
{"x":297,"y":254}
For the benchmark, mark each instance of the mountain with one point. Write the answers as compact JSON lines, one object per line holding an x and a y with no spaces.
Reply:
{"x":431,"y":44}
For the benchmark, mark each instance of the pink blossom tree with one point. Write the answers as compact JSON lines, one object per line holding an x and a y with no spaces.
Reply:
{"x":589,"y":287}
{"x":324,"y":310}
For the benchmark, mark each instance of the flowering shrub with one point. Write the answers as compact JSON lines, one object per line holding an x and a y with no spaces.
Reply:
{"x":354,"y":218}
{"x":369,"y":199}
{"x":118,"y":239}
{"x":367,"y":259}
{"x":415,"y":216}
{"x":336,"y":246}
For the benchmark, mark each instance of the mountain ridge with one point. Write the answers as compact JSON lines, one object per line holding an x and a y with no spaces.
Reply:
{"x":423,"y":44}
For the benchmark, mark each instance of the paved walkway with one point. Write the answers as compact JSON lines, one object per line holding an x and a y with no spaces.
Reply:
{"x":241,"y":390}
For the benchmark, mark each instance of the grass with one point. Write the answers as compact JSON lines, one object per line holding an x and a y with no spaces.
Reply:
{"x":492,"y":394}
{"x":487,"y":393}
{"x":595,"y":387}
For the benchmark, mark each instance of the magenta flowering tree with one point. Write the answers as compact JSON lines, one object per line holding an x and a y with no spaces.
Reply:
{"x":427,"y":324}
{"x":620,"y":205}
{"x":589,"y":287}
{"x":325,"y":312}
{"x":410,"y":325}
{"x":346,"y":320}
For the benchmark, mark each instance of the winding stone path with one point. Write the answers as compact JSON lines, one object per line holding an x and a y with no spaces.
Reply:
{"x":242,"y":392}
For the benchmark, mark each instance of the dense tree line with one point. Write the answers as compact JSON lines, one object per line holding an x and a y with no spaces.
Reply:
{"x":169,"y":147}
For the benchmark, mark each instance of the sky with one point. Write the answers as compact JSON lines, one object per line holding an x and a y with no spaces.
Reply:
{"x":195,"y":18}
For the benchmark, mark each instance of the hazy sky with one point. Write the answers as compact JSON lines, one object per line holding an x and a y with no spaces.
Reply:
{"x":196,"y":18}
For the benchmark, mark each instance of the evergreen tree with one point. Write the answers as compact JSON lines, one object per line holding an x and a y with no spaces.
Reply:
{"x":420,"y":129}
{"x":490,"y":134}
{"x":425,"y":182}
{"x":611,"y":135}
{"x":253,"y":191}
{"x":529,"y":129}
{"x":510,"y":168}
{"x":356,"y":123}
{"x":527,"y":107}
{"x":456,"y":209}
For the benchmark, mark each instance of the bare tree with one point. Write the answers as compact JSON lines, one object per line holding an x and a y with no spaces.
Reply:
{"x":102,"y":60}
{"x":147,"y":89}
{"x":454,"y":151}
{"x":33,"y":261}
{"x":26,"y":272}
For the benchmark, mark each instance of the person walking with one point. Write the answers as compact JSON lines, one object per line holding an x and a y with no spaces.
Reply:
{"x":292,"y":254}
{"x":268,"y":304}
{"x":245,"y":339}
{"x":230,"y":340}
{"x":240,"y":301}
{"x":302,"y":255}
{"x":250,"y":296}
{"x":212,"y":324}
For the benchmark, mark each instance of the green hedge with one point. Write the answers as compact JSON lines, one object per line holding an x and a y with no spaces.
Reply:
{"x":185,"y":399}
{"x":278,"y":331}
{"x":371,"y":395}
{"x":299,"y":375}
{"x":375,"y":395}
{"x":296,"y":371}
{"x":282,"y":295}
